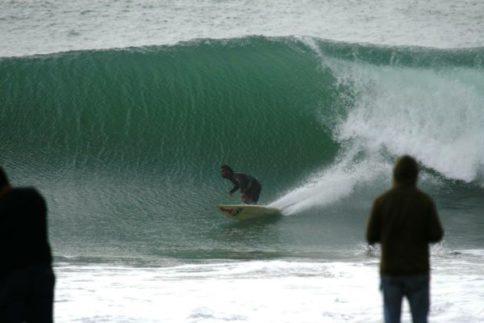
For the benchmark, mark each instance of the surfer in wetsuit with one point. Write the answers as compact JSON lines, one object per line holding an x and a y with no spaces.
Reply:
{"x":249,"y":186}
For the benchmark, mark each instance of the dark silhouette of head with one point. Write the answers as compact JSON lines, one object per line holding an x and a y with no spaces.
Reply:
{"x":226,"y":171}
{"x":3,"y":178}
{"x":405,"y":171}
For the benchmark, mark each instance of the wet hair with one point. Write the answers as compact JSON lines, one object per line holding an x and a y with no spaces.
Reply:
{"x":3,"y":178}
{"x":405,"y":170}
{"x":227,"y":167}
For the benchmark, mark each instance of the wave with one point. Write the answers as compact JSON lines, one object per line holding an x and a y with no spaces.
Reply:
{"x":147,"y":128}
{"x":423,"y":102}
{"x":283,"y":103}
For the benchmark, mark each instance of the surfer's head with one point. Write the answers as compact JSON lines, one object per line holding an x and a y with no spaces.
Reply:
{"x":405,"y":171}
{"x":226,"y":171}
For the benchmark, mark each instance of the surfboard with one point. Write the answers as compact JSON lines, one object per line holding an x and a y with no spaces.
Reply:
{"x":247,"y":211}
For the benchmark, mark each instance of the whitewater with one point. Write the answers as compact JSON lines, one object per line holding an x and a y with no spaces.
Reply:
{"x":122,"y":112}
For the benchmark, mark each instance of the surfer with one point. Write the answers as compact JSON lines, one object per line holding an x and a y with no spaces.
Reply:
{"x":249,"y":186}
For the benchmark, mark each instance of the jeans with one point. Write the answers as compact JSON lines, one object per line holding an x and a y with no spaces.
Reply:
{"x":416,"y":288}
{"x":27,"y":295}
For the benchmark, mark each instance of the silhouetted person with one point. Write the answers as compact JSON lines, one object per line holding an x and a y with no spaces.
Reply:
{"x":26,"y":276}
{"x":404,"y":221}
{"x":249,"y":186}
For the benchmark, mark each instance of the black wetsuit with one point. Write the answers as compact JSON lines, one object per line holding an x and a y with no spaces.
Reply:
{"x":248,"y":185}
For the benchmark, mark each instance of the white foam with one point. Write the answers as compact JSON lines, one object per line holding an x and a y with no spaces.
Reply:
{"x":332,"y":184}
{"x":256,"y":291}
{"x":436,"y":116}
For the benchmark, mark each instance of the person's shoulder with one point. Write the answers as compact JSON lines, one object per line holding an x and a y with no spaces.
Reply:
{"x":425,"y":196}
{"x":383,"y":196}
{"x":245,"y":177}
{"x":27,"y":191}
{"x":240,"y":175}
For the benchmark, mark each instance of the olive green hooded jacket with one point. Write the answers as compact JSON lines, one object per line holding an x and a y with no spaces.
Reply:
{"x":404,"y":221}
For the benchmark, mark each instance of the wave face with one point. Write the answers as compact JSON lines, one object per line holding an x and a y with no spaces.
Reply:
{"x":126,"y":144}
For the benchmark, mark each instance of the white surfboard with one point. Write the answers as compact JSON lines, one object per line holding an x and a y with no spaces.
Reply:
{"x":247,"y":211}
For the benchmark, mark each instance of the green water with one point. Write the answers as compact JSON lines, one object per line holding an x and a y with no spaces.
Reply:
{"x":126,"y":144}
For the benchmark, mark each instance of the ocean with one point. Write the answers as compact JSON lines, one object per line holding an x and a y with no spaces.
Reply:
{"x":121,"y":113}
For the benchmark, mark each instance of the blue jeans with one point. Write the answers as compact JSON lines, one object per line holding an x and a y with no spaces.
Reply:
{"x":416,"y":288}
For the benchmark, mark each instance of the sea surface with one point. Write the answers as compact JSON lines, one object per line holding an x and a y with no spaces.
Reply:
{"x":121,"y":113}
